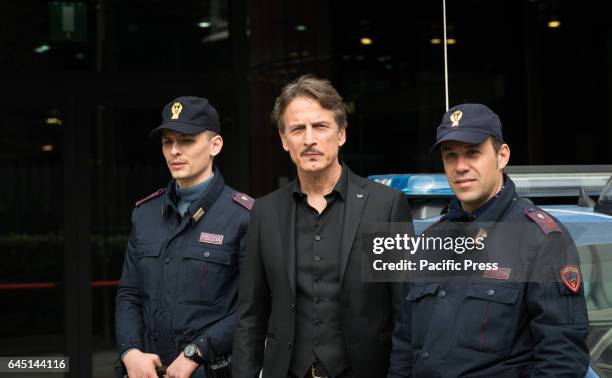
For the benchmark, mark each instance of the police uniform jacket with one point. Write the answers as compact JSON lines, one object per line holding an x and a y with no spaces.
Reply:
{"x":496,"y":326}
{"x":180,"y":274}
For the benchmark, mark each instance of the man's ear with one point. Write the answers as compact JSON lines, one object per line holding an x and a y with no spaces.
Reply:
{"x":342,"y":136}
{"x":503,"y":156}
{"x":216,"y":144}
{"x":283,"y":140}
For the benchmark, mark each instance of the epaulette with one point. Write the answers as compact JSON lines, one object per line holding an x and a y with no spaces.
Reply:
{"x":244,"y":200}
{"x":150,"y":197}
{"x":542,"y":219}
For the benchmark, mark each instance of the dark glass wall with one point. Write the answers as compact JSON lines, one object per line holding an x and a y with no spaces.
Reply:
{"x":81,"y":89}
{"x":32,"y":238}
{"x":549,"y":82}
{"x":79,"y":96}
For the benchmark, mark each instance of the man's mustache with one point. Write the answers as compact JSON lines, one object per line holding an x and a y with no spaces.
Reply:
{"x":310,"y":151}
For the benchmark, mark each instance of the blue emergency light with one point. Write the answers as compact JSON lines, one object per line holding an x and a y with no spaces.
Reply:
{"x":535,"y":181}
{"x":417,"y":185}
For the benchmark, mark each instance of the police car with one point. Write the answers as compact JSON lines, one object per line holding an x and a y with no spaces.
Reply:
{"x":567,"y":193}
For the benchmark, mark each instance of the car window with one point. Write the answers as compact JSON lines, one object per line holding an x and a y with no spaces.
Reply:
{"x":596,"y":263}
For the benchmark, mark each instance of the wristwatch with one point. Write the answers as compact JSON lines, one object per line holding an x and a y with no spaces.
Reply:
{"x":192,"y":352}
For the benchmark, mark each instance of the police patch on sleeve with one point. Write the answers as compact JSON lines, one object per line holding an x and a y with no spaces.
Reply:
{"x":570,"y":276}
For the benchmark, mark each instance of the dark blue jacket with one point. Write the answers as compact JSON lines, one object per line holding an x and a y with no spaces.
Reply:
{"x":180,"y":275}
{"x":497,"y":326}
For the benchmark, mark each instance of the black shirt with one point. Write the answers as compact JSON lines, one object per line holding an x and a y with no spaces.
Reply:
{"x":319,"y":333}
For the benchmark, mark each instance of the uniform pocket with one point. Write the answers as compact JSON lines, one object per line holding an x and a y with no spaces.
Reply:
{"x":148,"y":251}
{"x":489,"y":315}
{"x":422,"y":299}
{"x":493,"y":293}
{"x":418,"y":291}
{"x":206,"y":274}
{"x":149,"y":268}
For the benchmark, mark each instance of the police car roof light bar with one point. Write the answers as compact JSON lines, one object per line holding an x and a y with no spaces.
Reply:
{"x":532,"y":184}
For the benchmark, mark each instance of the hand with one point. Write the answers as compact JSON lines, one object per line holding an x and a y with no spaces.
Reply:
{"x":182,"y":367}
{"x":141,"y":365}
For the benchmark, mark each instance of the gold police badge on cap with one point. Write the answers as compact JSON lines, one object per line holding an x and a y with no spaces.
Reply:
{"x":176,"y":110}
{"x":455,"y":117}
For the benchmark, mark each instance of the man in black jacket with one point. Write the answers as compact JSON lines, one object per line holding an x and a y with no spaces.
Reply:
{"x":528,"y":317}
{"x":301,"y":293}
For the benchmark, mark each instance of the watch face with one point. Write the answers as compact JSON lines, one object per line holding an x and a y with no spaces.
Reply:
{"x":190,"y":350}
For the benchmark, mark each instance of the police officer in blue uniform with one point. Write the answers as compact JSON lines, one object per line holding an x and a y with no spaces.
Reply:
{"x":508,"y":323}
{"x":178,"y":288}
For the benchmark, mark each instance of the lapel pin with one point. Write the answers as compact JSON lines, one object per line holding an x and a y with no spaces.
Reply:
{"x":198,"y":214}
{"x":481,"y":234}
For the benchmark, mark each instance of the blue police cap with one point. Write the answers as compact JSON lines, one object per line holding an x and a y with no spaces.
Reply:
{"x":189,"y":115}
{"x":469,"y":123}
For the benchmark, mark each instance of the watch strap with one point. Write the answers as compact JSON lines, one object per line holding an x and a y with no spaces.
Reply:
{"x":196,"y":356}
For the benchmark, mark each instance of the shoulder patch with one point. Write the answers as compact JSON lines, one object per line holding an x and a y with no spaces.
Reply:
{"x":546,"y":223}
{"x":244,"y":200}
{"x":150,"y":197}
{"x":570,"y":276}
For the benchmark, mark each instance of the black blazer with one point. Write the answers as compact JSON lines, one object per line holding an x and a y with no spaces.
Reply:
{"x":266,"y":304}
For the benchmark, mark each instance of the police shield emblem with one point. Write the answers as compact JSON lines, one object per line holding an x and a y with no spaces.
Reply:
{"x":570,"y":276}
{"x":177,"y":108}
{"x":455,"y":117}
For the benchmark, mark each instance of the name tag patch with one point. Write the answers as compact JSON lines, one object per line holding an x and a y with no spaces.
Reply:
{"x":499,"y":274}
{"x":211,"y":238}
